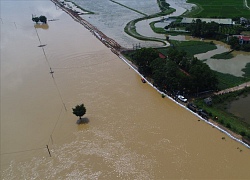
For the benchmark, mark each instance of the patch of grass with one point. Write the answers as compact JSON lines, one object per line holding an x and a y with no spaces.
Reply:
{"x":220,"y":9}
{"x":129,"y":55}
{"x":176,"y":33}
{"x":246,"y":33}
{"x":225,"y":55}
{"x":191,"y":47}
{"x":228,"y":80}
{"x":158,"y":30}
{"x":246,"y":71}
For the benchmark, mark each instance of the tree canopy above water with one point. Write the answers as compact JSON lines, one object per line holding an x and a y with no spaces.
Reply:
{"x":79,"y":110}
{"x":42,"y":19}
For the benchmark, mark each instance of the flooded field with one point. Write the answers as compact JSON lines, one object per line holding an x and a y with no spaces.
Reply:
{"x":111,"y":18}
{"x":240,"y":108}
{"x":133,"y":133}
{"x":143,"y":28}
{"x":232,"y":66}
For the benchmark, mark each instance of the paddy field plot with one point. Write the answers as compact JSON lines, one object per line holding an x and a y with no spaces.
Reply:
{"x":222,"y":8}
{"x":111,"y":17}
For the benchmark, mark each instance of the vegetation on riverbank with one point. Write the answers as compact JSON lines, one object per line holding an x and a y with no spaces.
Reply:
{"x":218,"y":111}
{"x":176,"y":72}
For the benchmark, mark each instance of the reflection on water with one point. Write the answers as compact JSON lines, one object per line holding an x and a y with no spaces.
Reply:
{"x":42,"y":26}
{"x":132,"y":132}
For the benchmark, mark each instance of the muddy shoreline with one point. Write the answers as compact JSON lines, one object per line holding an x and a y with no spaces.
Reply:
{"x":117,"y":49}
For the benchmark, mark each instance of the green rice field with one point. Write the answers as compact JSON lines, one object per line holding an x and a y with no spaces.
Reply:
{"x":191,"y":47}
{"x":220,"y":8}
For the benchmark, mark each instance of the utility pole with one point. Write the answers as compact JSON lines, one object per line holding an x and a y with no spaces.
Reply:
{"x":15,"y":25}
{"x":48,"y":150}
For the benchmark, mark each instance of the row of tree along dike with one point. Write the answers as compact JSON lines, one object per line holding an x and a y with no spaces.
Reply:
{"x":213,"y":30}
{"x":176,"y":73}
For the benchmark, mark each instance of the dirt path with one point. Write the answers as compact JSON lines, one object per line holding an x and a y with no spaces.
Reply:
{"x":236,"y":88}
{"x":246,"y":4}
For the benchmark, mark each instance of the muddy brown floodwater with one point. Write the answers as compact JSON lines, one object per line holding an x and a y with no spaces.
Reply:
{"x":132,"y":132}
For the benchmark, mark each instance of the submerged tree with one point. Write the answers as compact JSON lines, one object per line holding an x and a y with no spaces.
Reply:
{"x":79,"y":110}
{"x":35,"y":19}
{"x":43,"y":19}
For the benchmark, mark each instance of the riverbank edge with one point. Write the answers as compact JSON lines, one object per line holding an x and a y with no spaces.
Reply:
{"x":100,"y":36}
{"x":231,"y":134}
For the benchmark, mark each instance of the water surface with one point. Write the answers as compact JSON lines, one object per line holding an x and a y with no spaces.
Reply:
{"x":132,"y":132}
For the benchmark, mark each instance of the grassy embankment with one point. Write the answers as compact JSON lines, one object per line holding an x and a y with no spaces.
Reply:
{"x":219,"y":110}
{"x":221,"y":9}
{"x":130,"y":27}
{"x":225,"y":55}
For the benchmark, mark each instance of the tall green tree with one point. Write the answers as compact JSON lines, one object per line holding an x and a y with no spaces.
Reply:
{"x":143,"y":58}
{"x":234,"y":43}
{"x":202,"y":76}
{"x":79,"y":110}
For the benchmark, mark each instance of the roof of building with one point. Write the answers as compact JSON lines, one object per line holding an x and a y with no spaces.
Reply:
{"x":162,"y":56}
{"x":219,"y":21}
{"x":244,"y":38}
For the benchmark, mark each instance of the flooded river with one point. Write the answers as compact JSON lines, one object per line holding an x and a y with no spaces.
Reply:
{"x":133,"y":133}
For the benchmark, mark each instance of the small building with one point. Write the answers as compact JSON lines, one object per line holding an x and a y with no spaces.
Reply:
{"x":208,"y":101}
{"x":243,"y":39}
